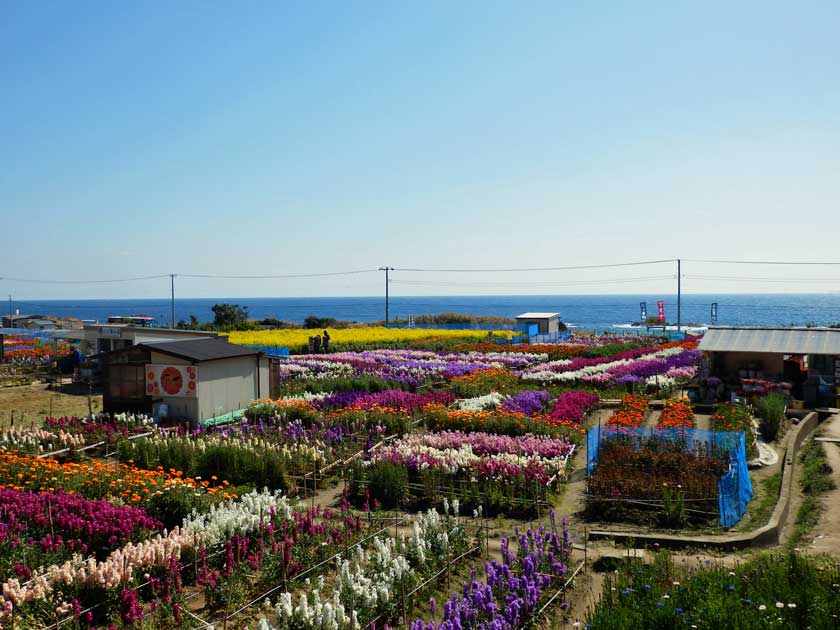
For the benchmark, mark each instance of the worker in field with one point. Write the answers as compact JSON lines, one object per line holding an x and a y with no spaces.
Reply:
{"x":325,"y":343}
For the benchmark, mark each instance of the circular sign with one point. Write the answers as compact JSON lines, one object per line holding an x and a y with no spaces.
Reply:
{"x":171,"y":380}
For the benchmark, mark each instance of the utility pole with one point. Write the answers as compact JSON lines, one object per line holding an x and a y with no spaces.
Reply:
{"x":679,"y":294}
{"x":386,"y":269}
{"x":172,"y":281}
{"x":10,"y":311}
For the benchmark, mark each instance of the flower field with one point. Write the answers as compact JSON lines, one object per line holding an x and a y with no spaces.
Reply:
{"x":356,"y":338}
{"x":513,"y":589}
{"x":770,"y":591}
{"x":112,"y":522}
{"x":669,"y":475}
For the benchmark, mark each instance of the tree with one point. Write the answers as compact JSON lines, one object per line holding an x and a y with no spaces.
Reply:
{"x":193,"y":324}
{"x":313,"y":321}
{"x":230,"y":315}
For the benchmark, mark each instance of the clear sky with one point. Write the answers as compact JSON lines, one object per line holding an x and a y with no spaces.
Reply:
{"x":143,"y":138}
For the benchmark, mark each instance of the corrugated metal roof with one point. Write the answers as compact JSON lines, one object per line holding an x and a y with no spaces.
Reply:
{"x":208,"y":349}
{"x":778,"y":340}
{"x":537,"y":315}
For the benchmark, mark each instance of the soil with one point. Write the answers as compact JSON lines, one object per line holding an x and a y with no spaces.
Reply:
{"x":30,"y":404}
{"x":825,"y":538}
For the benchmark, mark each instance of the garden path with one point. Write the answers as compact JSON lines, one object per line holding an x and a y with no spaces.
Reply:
{"x":826,"y":536}
{"x":651,"y":419}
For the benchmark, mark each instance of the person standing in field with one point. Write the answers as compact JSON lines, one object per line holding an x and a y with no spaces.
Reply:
{"x":326,"y":342}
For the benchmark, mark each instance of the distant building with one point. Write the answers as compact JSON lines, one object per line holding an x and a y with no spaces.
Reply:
{"x":19,"y":321}
{"x":39,"y":324}
{"x":547,"y":323}
{"x":807,"y":359}
{"x":100,"y":338}
{"x":197,"y":379}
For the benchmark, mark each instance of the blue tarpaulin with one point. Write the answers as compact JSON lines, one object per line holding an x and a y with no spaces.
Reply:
{"x":734,"y":488}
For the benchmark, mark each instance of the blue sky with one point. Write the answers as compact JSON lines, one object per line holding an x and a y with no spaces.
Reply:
{"x":258,"y":138}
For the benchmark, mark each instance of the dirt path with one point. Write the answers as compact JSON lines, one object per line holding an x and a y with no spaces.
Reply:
{"x":30,"y":404}
{"x":651,"y":419}
{"x":703,"y":422}
{"x":826,"y":535}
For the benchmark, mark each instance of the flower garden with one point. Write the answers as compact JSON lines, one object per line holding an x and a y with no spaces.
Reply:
{"x":30,"y":351}
{"x":344,"y":501}
{"x":668,"y":475}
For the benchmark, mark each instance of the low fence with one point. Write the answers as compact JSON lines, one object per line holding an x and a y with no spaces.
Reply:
{"x":457,"y":326}
{"x":272,"y":351}
{"x":734,"y":488}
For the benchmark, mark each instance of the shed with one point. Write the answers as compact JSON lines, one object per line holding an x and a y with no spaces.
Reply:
{"x":807,"y":358}
{"x":39,"y":324}
{"x":198,"y":379}
{"x":546,"y":323}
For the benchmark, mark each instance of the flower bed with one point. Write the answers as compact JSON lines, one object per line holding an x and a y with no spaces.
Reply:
{"x":264,"y":540}
{"x":676,"y":414}
{"x":298,"y":338}
{"x":631,"y":412}
{"x":729,"y":417}
{"x":97,"y":480}
{"x":770,"y":591}
{"x":43,"y":527}
{"x":241,"y":459}
{"x":369,"y":584}
{"x":659,"y":483}
{"x":395,"y":399}
{"x":501,"y":473}
{"x":513,"y":591}
{"x":640,"y":363}
{"x":573,"y":406}
{"x":408,"y":367}
{"x":440,"y":418}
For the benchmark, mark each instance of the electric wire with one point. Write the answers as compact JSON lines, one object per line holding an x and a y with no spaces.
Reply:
{"x":532,"y":269}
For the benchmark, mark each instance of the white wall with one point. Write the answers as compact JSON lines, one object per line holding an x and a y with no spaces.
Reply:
{"x":226,"y":384}
{"x":264,"y":379}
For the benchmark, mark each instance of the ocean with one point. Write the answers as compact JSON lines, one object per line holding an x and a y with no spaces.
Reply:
{"x":585,"y":311}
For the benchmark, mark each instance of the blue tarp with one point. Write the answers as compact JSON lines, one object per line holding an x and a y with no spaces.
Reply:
{"x":272,"y":351}
{"x":734,"y":488}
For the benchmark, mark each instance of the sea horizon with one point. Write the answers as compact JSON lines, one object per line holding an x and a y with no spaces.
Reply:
{"x":583,"y":310}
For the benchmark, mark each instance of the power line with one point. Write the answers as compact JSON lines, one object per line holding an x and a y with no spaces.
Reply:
{"x":520,"y":269}
{"x":114,"y":280}
{"x":762,"y":262}
{"x":269,"y":276}
{"x":782,"y":280}
{"x":518,"y":284}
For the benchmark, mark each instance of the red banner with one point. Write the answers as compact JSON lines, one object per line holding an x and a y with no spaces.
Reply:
{"x":661,"y":306}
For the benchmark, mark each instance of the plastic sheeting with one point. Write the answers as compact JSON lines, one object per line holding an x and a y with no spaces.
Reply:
{"x":734,"y":488}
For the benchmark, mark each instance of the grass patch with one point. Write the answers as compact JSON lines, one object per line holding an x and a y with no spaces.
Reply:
{"x":815,"y":480}
{"x":761,"y":508}
{"x":784,"y":590}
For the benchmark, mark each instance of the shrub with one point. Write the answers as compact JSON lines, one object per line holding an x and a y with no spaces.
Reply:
{"x":771,"y":414}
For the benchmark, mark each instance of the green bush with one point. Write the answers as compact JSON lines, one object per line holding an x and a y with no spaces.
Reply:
{"x":771,"y":415}
{"x":384,"y":481}
{"x":170,"y":506}
{"x":769,"y":591}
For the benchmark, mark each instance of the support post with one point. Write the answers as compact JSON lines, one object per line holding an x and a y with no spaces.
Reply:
{"x":386,"y":269}
{"x":172,"y":286}
{"x":679,"y":294}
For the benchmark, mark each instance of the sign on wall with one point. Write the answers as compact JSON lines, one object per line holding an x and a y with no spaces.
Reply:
{"x":171,"y":380}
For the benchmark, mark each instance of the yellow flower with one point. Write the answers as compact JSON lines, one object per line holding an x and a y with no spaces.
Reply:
{"x":296,"y":337}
